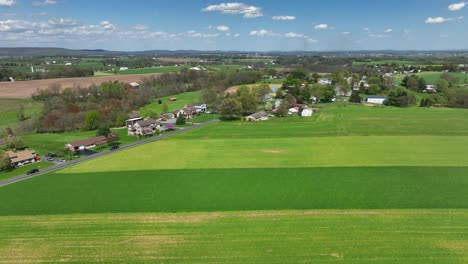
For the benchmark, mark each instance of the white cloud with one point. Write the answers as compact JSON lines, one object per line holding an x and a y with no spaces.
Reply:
{"x":366,"y":29}
{"x":107,"y":25}
{"x":457,"y":6}
{"x":283,"y":18}
{"x":322,"y":26}
{"x":294,"y":35}
{"x":141,"y":27}
{"x":437,"y":20}
{"x":62,"y":22}
{"x":262,"y":33}
{"x":223,"y":28}
{"x":45,"y":3}
{"x":8,"y":3}
{"x":248,"y":11}
{"x":345,"y":33}
{"x":195,"y":34}
{"x":388,"y":30}
{"x":236,"y":35}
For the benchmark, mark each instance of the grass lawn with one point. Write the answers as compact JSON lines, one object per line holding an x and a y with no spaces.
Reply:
{"x":9,"y":109}
{"x":52,"y":142}
{"x":433,"y":77}
{"x":23,"y":170}
{"x":182,"y":100}
{"x":337,"y":236}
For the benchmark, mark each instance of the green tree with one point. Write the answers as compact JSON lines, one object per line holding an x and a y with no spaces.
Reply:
{"x":413,"y":83}
{"x":373,"y":89}
{"x":290,"y":101}
{"x":92,"y":119}
{"x":400,"y":97}
{"x":165,"y":108}
{"x":180,"y":120}
{"x":149,"y":113}
{"x":282,"y":111}
{"x":20,"y":116}
{"x":210,"y":97}
{"x":230,"y":108}
{"x":262,"y":90}
{"x":279,"y":94}
{"x":305,"y":95}
{"x":268,"y":106}
{"x":248,"y":102}
{"x":4,"y":161}
{"x":422,"y":85}
{"x":103,"y":131}
{"x":355,"y":97}
{"x":442,"y":86}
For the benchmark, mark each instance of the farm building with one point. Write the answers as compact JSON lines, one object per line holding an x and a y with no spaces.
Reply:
{"x":376,"y":99}
{"x":199,"y":108}
{"x":134,"y":85}
{"x":172,"y":99}
{"x":260,"y":116}
{"x":86,"y":144}
{"x":20,"y":158}
{"x":307,"y":112}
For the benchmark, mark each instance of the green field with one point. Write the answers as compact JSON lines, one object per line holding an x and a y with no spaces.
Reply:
{"x":397,"y":62}
{"x":9,"y":109}
{"x":182,"y":100}
{"x":165,"y":69}
{"x":352,"y":184}
{"x":337,"y":236}
{"x":433,"y":77}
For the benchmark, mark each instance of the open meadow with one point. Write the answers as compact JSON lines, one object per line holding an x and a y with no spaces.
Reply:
{"x":10,"y":108}
{"x":352,"y":184}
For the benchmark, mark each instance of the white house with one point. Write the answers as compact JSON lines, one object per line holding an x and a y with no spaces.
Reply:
{"x":123,"y":69}
{"x":200,"y":108}
{"x":376,"y":99}
{"x":324,"y":81}
{"x":294,"y":110}
{"x":21,"y":158}
{"x":260,"y":116}
{"x":134,"y":85}
{"x":307,"y":112}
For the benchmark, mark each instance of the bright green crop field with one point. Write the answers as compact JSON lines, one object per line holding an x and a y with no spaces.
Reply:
{"x":351,"y":184}
{"x":9,"y":109}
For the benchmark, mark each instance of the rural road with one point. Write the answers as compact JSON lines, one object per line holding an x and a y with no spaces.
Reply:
{"x":104,"y":153}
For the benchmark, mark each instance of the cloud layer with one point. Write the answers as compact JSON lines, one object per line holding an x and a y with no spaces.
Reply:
{"x":248,"y":11}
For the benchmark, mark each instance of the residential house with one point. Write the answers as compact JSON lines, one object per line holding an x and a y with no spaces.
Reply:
{"x":294,"y":110}
{"x":86,"y":144}
{"x":430,"y":88}
{"x":260,"y":116}
{"x":181,"y":112}
{"x":20,"y":158}
{"x":307,"y":112}
{"x":200,"y":108}
{"x":172,"y":99}
{"x":376,"y":99}
{"x":324,"y":81}
{"x":145,"y":127}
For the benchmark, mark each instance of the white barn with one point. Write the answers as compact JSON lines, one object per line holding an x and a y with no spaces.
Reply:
{"x":307,"y":112}
{"x":376,"y":99}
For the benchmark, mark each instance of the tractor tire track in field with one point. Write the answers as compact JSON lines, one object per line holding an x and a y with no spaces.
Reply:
{"x":104,"y":153}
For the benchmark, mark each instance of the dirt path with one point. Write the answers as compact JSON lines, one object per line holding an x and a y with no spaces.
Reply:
{"x":24,"y":89}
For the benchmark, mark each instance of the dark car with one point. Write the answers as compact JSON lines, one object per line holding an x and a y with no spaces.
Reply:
{"x":33,"y":171}
{"x":50,"y":155}
{"x":114,"y":148}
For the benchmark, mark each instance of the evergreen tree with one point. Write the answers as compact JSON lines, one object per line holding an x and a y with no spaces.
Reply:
{"x":355,"y":97}
{"x":180,"y":120}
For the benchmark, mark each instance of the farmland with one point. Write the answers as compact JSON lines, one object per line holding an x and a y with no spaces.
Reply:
{"x":353,"y":183}
{"x":336,"y":236}
{"x":182,"y":100}
{"x":433,"y":77}
{"x":397,"y":62}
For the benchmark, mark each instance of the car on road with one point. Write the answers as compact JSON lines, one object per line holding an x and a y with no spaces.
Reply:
{"x":50,"y":155}
{"x":33,"y":171}
{"x":62,"y":160}
{"x":114,"y":148}
{"x":50,"y":159}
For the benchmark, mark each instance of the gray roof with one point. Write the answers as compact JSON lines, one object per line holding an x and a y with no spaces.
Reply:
{"x":148,"y":122}
{"x":259,"y":115}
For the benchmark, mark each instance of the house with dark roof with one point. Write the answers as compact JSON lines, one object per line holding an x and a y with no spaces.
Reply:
{"x":86,"y":143}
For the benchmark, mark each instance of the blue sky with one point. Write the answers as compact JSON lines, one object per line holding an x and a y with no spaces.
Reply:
{"x":261,"y":25}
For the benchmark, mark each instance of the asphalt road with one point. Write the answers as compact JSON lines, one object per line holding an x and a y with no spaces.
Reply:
{"x":104,"y":153}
